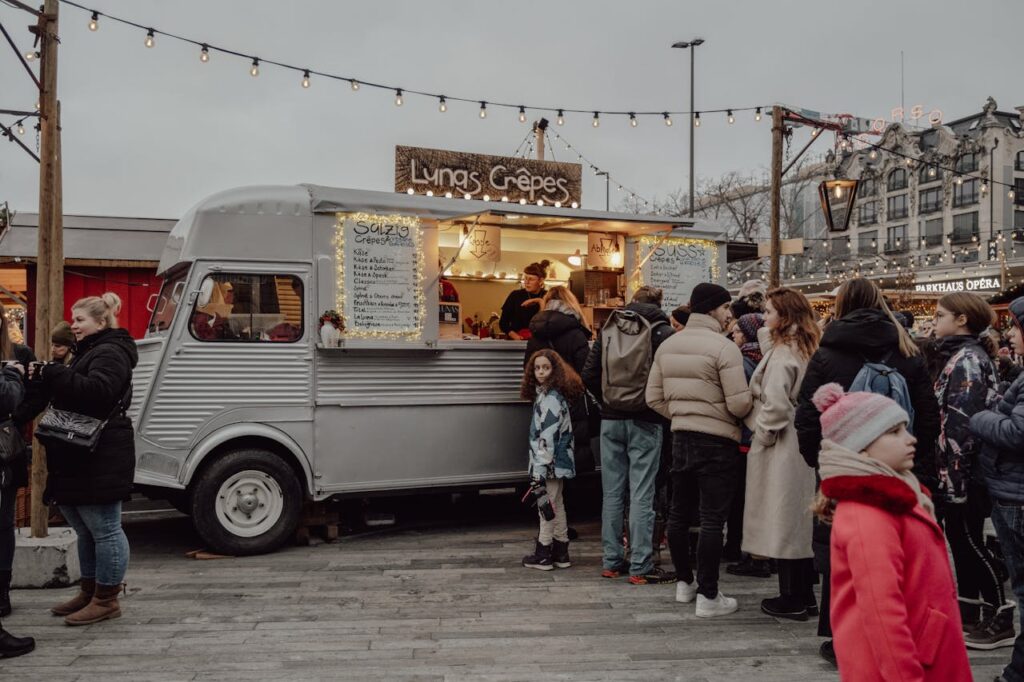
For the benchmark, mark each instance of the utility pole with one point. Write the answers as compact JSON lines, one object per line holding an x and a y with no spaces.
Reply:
{"x":50,"y":264}
{"x":776,"y":195}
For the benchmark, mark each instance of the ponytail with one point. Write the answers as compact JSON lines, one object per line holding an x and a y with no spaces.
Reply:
{"x":104,"y":308}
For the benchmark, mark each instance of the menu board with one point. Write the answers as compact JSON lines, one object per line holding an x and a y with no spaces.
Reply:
{"x":676,"y":266}
{"x":380,"y":275}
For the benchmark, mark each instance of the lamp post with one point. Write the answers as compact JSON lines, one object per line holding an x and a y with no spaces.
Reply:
{"x":606,"y":189}
{"x":692,"y":45}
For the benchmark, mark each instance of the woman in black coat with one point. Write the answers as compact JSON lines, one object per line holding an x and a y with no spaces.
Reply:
{"x":89,"y":486}
{"x":864,"y":330}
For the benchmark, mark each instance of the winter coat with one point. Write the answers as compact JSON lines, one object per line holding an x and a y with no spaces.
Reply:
{"x":661,"y":329}
{"x":893,"y":605}
{"x":966,"y":385}
{"x":697,"y":380}
{"x":12,"y":392}
{"x":96,"y":381}
{"x":780,"y":485}
{"x":551,"y":441}
{"x":516,"y":317}
{"x":1001,"y":430}
{"x":18,"y":470}
{"x":563,"y":333}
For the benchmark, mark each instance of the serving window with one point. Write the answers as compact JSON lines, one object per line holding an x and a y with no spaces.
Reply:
{"x":236,"y":307}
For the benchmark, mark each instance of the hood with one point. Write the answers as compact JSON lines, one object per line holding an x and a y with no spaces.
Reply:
{"x":1017,"y":310}
{"x":861,"y":329}
{"x":649,"y":311}
{"x":550,"y":324}
{"x":949,"y":346}
{"x":117,"y":337}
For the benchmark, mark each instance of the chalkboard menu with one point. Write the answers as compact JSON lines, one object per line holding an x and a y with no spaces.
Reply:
{"x":380,"y":275}
{"x":676,"y":266}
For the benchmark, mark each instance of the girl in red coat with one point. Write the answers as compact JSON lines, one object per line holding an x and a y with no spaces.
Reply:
{"x":894,"y":609}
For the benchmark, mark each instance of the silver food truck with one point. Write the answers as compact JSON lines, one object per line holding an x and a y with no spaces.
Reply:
{"x":246,"y":408}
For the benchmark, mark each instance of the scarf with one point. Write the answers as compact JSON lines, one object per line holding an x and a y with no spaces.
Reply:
{"x":836,"y":460}
{"x":752,"y":351}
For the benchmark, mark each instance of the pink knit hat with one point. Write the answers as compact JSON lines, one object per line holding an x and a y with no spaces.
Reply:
{"x":855,"y":420}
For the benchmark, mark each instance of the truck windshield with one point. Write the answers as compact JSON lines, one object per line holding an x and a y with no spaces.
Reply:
{"x":167,"y":302}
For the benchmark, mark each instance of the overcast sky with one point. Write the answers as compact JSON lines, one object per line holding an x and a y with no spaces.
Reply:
{"x":149,"y":132}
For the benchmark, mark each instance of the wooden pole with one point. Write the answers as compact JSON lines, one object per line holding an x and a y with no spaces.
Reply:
{"x":49,"y":260}
{"x":776,"y":196}
{"x":539,"y":132}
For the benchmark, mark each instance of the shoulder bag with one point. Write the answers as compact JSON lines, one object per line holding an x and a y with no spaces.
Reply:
{"x":64,"y":427}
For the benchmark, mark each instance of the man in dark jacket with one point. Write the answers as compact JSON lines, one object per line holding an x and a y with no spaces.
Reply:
{"x":631,"y":444}
{"x":1001,"y":430}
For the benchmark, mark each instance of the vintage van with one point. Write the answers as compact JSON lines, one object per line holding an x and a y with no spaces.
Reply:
{"x":242,"y":414}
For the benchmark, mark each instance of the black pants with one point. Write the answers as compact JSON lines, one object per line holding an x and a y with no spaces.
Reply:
{"x":975,"y":566}
{"x":796,"y":581}
{"x":714,"y":462}
{"x":8,"y":497}
{"x":734,"y":537}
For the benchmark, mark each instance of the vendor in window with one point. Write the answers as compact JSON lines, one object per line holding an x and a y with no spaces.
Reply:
{"x":522,"y":304}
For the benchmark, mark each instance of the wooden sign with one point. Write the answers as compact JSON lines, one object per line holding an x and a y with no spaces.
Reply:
{"x":676,"y":266}
{"x":493,"y":178}
{"x":482,"y":243}
{"x":604,"y":251}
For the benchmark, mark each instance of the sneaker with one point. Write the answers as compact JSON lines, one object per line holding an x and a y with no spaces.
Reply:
{"x":828,"y":652}
{"x":780,"y":607}
{"x":719,"y":606}
{"x":686,"y":592}
{"x":616,"y":572}
{"x":655,"y":576}
{"x":750,"y":567}
{"x":994,"y":632}
{"x":540,"y":559}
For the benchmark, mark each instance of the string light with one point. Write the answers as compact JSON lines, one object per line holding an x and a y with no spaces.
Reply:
{"x":30,"y":55}
{"x":757,"y":114}
{"x":632,"y":119}
{"x":204,"y":54}
{"x":597,"y":120}
{"x":522,"y":114}
{"x":959,"y":179}
{"x":21,"y":128}
{"x":398,"y":97}
{"x":730,"y":117}
{"x":483,"y":109}
{"x":305,"y":78}
{"x":94,"y":21}
{"x":1011,"y":195}
{"x":696,"y":119}
{"x":254,"y":70}
{"x":443,"y":106}
{"x":668,"y":119}
{"x":150,"y":38}
{"x":354,"y":85}
{"x":561,"y":117}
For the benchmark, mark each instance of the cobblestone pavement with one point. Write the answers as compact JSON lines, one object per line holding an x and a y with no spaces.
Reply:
{"x":444,"y":600}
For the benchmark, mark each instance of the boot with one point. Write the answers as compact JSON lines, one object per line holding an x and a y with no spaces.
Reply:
{"x":993,"y":632}
{"x":11,"y":646}
{"x":560,"y":554}
{"x":86,"y":588}
{"x":973,"y":612}
{"x":540,"y":559}
{"x":103,"y":606}
{"x":5,"y":593}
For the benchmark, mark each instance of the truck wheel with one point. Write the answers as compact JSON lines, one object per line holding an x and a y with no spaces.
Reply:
{"x":246,"y":502}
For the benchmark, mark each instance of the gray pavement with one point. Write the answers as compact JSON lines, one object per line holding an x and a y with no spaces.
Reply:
{"x":444,"y":599}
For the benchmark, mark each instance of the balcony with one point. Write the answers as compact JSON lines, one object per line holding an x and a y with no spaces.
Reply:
{"x":958,"y":237}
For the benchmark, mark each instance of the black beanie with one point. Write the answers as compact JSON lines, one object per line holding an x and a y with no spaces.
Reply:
{"x":62,"y":335}
{"x":706,"y":297}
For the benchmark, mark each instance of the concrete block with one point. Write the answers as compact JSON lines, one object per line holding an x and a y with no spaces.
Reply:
{"x":46,"y":562}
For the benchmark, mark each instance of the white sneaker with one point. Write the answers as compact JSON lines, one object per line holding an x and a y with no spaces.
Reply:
{"x":686,"y":592}
{"x":719,"y":606}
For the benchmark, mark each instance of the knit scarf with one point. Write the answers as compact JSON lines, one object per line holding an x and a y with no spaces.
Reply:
{"x":835,"y":460}
{"x":752,"y":351}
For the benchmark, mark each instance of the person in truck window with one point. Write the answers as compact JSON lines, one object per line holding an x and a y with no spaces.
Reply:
{"x":212,"y":320}
{"x":522,"y":304}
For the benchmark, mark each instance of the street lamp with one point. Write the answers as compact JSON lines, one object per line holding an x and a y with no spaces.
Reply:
{"x":682,"y":45}
{"x":605,"y":174}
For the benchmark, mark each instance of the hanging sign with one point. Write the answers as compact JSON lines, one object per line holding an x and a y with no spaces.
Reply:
{"x":676,"y":266}
{"x":968,"y":284}
{"x":380,"y":275}
{"x":604,"y":251}
{"x":491,"y":178}
{"x":482,"y":243}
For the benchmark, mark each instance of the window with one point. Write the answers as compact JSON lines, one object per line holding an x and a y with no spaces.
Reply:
{"x":867,"y":243}
{"x":1018,"y":220}
{"x":965,"y":194}
{"x":967,"y":163}
{"x":965,"y":227}
{"x":897,"y":239}
{"x":1018,"y":191}
{"x":1020,"y":162}
{"x":868,"y":187}
{"x":929,"y":173}
{"x":897,"y":180}
{"x":840,"y":246}
{"x":167,"y":302}
{"x":896,"y":207}
{"x":933,"y":232}
{"x":867,"y":213}
{"x":966,"y":256}
{"x":248,"y":308}
{"x":930,"y":200}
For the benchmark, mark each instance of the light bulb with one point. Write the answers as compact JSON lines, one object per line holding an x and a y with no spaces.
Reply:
{"x":730,"y":117}
{"x":430,"y":192}
{"x":254,"y":70}
{"x":21,"y":128}
{"x":398,"y":97}
{"x":443,"y":106}
{"x":984,"y":187}
{"x":1011,"y":195}
{"x":150,"y":38}
{"x":30,"y":55}
{"x":931,"y":172}
{"x":910,"y":161}
{"x":873,"y":155}
{"x":410,"y":191}
{"x":487,"y":197}
{"x":94,"y":21}
{"x":522,"y":115}
{"x":757,"y":114}
{"x":522,"y":202}
{"x":696,"y":120}
{"x":467,"y":196}
{"x":575,"y":204}
{"x":839,"y":191}
{"x":448,"y":195}
{"x":668,"y":119}
{"x":561,"y":118}
{"x":576,"y":259}
{"x":483,"y":109}
{"x":597,"y":120}
{"x":355,"y":85}
{"x":305,"y":79}
{"x":632,"y":120}
{"x":204,"y":54}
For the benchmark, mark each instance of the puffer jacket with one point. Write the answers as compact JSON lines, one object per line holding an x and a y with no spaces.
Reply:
{"x":12,"y":392}
{"x":1001,"y":430}
{"x":94,"y":384}
{"x":697,"y":381}
{"x":563,"y":333}
{"x":551,"y":439}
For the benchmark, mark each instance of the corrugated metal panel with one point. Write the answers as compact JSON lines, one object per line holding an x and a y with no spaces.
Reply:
{"x":205,"y":379}
{"x":150,"y":352}
{"x":489,"y":374}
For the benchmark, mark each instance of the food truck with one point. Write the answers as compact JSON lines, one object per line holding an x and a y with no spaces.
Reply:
{"x":245,"y":408}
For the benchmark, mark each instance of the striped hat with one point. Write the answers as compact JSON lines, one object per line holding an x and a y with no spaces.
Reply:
{"x":855,"y":420}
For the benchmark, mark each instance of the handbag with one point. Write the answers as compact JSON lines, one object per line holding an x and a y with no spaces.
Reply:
{"x":64,"y":427}
{"x":12,"y":445}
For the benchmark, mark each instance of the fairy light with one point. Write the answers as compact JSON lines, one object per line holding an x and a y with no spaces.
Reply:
{"x":150,"y":38}
{"x":443,"y":104}
{"x":483,"y":109}
{"x":668,"y":119}
{"x":30,"y":55}
{"x":254,"y":70}
{"x":757,"y":114}
{"x":561,"y":117}
{"x":730,"y":117}
{"x":21,"y":128}
{"x":696,"y":119}
{"x":632,"y":119}
{"x":398,"y":97}
{"x":204,"y":54}
{"x":305,"y":78}
{"x":94,"y":21}
{"x":648,"y":243}
{"x":354,"y":84}
{"x":522,"y":114}
{"x":597,"y":120}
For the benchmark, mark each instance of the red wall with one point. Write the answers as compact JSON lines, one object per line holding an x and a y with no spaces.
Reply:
{"x":133,"y":285}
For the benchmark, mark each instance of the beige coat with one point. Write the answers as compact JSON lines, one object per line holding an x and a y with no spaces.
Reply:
{"x":697,"y":380}
{"x":780,"y":485}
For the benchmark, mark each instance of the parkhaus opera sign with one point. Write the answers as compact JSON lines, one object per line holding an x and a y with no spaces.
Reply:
{"x":494,"y":178}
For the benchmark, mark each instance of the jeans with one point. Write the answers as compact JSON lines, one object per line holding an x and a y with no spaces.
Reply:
{"x":1008,"y":520}
{"x":102,"y":545}
{"x":558,"y":527}
{"x":630,"y":454}
{"x":975,"y":566}
{"x":715,"y":463}
{"x":8,"y":497}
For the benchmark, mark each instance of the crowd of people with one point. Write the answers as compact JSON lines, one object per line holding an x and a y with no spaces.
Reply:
{"x":851,"y":453}
{"x":85,"y":388}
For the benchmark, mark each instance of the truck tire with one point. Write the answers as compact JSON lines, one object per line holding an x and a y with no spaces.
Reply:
{"x":246,"y":502}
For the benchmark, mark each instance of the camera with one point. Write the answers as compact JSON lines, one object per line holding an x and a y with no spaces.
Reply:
{"x":35,"y":370}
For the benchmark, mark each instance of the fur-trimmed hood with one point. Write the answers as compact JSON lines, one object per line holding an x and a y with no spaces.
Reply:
{"x":884,"y":492}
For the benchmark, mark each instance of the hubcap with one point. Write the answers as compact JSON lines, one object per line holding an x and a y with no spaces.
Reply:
{"x":249,"y":503}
